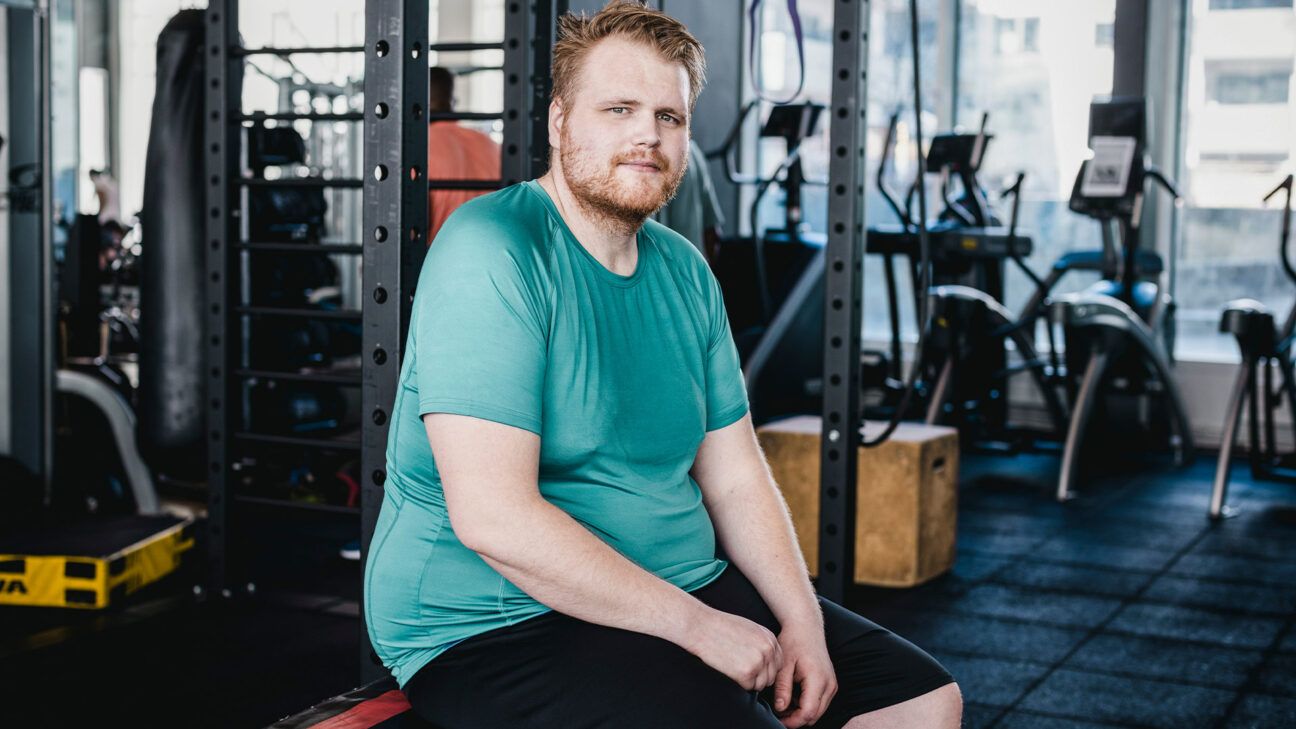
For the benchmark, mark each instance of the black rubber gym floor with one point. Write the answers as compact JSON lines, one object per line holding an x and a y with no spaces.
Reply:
{"x":1124,"y":608}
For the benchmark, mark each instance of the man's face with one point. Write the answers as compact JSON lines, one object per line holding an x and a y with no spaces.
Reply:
{"x":623,"y":135}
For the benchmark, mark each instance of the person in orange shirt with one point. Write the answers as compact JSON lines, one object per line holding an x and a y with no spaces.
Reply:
{"x":454,"y":153}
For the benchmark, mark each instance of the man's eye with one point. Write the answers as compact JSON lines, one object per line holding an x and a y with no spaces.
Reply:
{"x":667,"y":118}
{"x":617,"y":109}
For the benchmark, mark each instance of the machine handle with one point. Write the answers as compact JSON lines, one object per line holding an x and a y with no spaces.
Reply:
{"x":1156,"y":174}
{"x":1286,"y":184}
{"x":888,"y":148}
{"x":726,"y":150}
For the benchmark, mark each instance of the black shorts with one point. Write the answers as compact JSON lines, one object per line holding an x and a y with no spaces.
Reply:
{"x":555,"y":671}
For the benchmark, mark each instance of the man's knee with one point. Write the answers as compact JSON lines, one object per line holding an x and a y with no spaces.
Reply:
{"x":952,"y":696}
{"x":941,"y":708}
{"x":943,"y":705}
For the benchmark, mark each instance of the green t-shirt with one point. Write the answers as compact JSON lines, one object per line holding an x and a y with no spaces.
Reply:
{"x":621,"y":376}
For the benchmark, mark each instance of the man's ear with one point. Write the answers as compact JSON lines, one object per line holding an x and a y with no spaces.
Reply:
{"x":556,"y":120}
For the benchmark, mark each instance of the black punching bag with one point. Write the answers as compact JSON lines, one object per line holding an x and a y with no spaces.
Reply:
{"x":172,"y":394}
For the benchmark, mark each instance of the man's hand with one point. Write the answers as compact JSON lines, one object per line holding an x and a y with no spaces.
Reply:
{"x":737,"y":647}
{"x":805,"y":663}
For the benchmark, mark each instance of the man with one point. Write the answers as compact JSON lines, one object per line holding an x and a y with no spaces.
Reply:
{"x":570,"y":438}
{"x":455,"y":152}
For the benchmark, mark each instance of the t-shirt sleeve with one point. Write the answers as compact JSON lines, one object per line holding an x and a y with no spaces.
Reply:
{"x":480,"y":328}
{"x":726,"y":391}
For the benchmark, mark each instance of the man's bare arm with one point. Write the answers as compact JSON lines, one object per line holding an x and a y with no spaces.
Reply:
{"x":753,"y":523}
{"x":490,"y":476}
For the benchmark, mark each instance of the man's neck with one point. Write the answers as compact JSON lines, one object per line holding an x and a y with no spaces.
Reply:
{"x":610,"y":242}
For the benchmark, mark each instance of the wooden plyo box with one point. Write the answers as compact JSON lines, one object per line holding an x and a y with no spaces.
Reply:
{"x":907,"y":498}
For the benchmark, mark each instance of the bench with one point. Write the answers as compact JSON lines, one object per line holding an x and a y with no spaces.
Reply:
{"x":380,"y":705}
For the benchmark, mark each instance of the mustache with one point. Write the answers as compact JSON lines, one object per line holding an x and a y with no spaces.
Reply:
{"x":655,"y":158}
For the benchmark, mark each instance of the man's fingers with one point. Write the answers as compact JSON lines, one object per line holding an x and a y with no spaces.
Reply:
{"x":783,"y":687}
{"x":828,"y":695}
{"x":812,"y":703}
{"x":774,"y":666}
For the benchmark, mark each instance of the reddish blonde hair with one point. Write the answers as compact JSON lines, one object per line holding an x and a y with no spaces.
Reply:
{"x":628,"y":19}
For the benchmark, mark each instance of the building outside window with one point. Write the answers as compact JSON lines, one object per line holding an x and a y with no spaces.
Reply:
{"x":1247,"y":82}
{"x":1248,"y":4}
{"x":1239,"y":141}
{"x":1037,"y":97}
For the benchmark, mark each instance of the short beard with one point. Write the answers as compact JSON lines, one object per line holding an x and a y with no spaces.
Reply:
{"x":601,"y":195}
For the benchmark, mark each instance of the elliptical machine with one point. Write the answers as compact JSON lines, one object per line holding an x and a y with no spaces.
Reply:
{"x":964,"y":363}
{"x":1262,"y":345}
{"x":1120,"y":331}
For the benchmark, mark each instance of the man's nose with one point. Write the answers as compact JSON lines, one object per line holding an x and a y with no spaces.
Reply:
{"x":646,"y":131}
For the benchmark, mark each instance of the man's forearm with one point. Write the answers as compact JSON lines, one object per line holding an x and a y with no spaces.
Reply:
{"x":755,"y":529}
{"x":560,"y":563}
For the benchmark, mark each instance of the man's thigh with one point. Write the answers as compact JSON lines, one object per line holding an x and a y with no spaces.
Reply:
{"x":557,"y":671}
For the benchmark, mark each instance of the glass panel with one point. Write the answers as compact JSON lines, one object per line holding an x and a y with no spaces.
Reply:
{"x":1239,"y":140}
{"x":1034,"y":67}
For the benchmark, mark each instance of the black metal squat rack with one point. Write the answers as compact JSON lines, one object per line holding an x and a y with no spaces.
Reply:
{"x":394,"y":219}
{"x":395,"y":216}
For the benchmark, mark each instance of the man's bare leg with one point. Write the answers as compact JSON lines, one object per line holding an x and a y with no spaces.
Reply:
{"x":939,"y":709}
